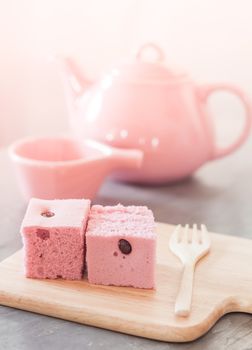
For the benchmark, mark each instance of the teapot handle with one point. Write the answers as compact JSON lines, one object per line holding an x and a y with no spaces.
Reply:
{"x":206,"y":91}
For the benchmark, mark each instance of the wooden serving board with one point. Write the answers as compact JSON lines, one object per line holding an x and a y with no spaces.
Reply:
{"x":223,"y":283}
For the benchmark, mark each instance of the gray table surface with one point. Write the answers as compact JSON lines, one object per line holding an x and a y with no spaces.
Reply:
{"x":219,"y":195}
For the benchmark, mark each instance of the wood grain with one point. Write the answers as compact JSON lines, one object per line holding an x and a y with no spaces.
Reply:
{"x":223,"y":283}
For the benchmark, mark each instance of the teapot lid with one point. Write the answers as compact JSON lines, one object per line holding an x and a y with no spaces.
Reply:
{"x":143,"y":70}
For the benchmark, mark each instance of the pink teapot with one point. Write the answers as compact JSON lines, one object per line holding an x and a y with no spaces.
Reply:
{"x":142,"y":104}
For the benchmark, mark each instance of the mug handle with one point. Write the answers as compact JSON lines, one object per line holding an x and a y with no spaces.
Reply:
{"x":206,"y":91}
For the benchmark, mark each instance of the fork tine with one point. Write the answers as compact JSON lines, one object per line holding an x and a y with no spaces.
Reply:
{"x":175,"y":234}
{"x":185,"y":234}
{"x":195,"y":234}
{"x":205,"y":238}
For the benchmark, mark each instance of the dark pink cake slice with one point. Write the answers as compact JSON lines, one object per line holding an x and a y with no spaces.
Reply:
{"x":121,"y":246}
{"x":53,"y":233}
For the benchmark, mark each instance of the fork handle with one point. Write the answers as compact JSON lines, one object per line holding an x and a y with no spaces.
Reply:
{"x":184,"y":298}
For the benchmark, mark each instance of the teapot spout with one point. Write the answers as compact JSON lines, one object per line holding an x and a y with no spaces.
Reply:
{"x":73,"y":80}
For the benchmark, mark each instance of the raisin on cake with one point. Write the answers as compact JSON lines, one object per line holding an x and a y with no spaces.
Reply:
{"x":53,"y":233}
{"x":121,"y":246}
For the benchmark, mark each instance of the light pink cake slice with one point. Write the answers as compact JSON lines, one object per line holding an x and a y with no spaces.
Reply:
{"x":121,"y":246}
{"x":53,"y":233}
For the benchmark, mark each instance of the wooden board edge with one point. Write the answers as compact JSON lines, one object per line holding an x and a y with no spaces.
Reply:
{"x":158,"y":332}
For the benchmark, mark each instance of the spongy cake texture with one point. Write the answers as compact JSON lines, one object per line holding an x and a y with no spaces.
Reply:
{"x":132,"y":220}
{"x":53,"y":233}
{"x":121,"y":246}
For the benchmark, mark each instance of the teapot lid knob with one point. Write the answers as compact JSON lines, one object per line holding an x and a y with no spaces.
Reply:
{"x":146,"y":67}
{"x":150,"y":50}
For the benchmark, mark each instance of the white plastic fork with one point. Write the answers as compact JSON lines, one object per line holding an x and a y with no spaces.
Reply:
{"x":189,"y":246}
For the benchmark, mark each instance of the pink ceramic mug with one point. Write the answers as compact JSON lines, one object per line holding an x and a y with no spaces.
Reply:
{"x":60,"y":167}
